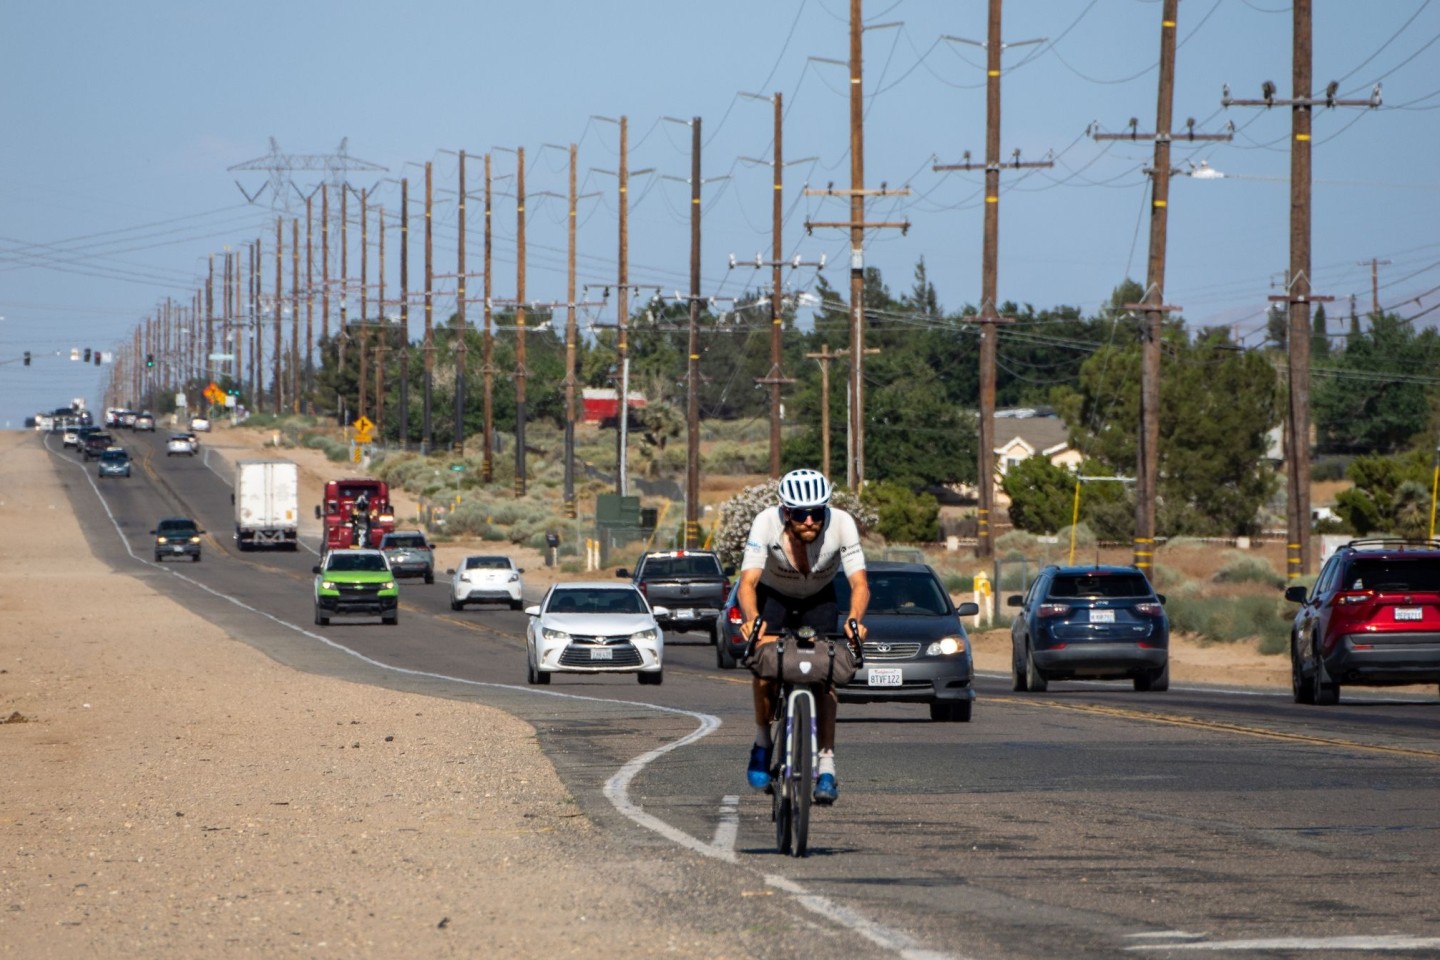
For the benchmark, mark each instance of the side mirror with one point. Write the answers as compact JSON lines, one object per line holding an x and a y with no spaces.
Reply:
{"x":1014,"y":600}
{"x":450,"y":572}
{"x":152,"y":533}
{"x":622,"y":572}
{"x":232,"y":499}
{"x":1295,"y":594}
{"x":317,"y":511}
{"x":315,"y":569}
{"x":519,"y":569}
{"x":970,"y":609}
{"x":660,"y":612}
{"x":533,"y":611}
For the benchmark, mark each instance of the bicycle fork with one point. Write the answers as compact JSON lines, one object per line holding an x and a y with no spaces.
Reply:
{"x":787,"y":771}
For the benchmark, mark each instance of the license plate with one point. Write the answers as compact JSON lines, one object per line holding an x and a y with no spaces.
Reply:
{"x":1408,"y":613}
{"x":182,"y":550}
{"x":686,"y":614}
{"x":1102,"y":616}
{"x":884,"y":676}
{"x":602,"y":653}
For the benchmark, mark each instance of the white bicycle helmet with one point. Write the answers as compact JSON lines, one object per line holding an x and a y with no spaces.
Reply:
{"x":804,"y":488}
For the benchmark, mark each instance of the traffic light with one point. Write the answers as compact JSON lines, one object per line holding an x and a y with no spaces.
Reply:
{"x":149,"y":359}
{"x":87,"y":355}
{"x":27,"y":358}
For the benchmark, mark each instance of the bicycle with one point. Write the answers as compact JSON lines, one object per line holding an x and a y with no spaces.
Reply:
{"x":794,"y":733}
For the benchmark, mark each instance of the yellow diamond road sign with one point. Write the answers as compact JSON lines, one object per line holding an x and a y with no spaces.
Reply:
{"x":364,"y":427}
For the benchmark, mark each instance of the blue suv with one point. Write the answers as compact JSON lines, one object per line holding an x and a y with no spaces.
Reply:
{"x":1090,"y":623}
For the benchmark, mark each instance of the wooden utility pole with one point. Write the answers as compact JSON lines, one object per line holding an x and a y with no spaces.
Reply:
{"x":1298,"y":296}
{"x":343,"y":334}
{"x":309,"y":305}
{"x":427,"y":438}
{"x":622,"y":319}
{"x":404,"y":312}
{"x":210,"y":322}
{"x":855,"y":459}
{"x":276,"y":392}
{"x":324,"y":263}
{"x":1375,"y":265}
{"x":824,"y":356}
{"x":989,"y":316}
{"x":257,"y":355}
{"x":295,"y":315}
{"x":460,"y":320}
{"x":487,"y":351}
{"x":1153,"y":305}
{"x":571,"y":333}
{"x":692,"y":367}
{"x":520,"y":322}
{"x":382,"y":343}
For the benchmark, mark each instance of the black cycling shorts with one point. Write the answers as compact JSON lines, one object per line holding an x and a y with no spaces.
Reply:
{"x":778,"y":611}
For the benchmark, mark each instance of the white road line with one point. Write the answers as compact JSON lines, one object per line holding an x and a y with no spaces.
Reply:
{"x":883,"y":937}
{"x":1393,"y":944}
{"x":729,"y":826}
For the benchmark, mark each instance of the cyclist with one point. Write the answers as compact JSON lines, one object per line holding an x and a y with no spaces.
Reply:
{"x":791,"y":558}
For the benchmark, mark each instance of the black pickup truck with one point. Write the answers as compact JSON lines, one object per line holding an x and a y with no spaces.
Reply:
{"x":691,"y":584}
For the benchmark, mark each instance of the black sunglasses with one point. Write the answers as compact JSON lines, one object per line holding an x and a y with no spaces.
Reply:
{"x":802,"y":514}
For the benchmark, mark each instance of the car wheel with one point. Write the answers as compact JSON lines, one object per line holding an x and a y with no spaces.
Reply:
{"x":390,"y":620}
{"x":1326,"y":694}
{"x":195,"y":559}
{"x":723,"y":658}
{"x":715,"y":635}
{"x":159,"y":558}
{"x":1154,"y":681}
{"x":535,"y":675}
{"x":517,"y":604}
{"x":429,"y":576}
{"x":1300,"y":689}
{"x":1034,"y":679}
{"x":1017,"y":673}
{"x":456,"y":604}
{"x":321,"y":619}
{"x":651,"y":679}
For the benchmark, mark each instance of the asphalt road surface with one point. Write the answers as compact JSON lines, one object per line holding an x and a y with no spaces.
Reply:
{"x":1091,"y":821}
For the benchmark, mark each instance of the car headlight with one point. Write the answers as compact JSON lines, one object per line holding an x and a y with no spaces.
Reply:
{"x":645,"y":636}
{"x":388,"y":585}
{"x":327,"y":585}
{"x":161,"y":540}
{"x":514,"y":577}
{"x":194,"y":539}
{"x":551,"y":635}
{"x":945,"y":647}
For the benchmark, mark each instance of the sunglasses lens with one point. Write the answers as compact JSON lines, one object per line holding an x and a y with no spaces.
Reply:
{"x":807,"y":514}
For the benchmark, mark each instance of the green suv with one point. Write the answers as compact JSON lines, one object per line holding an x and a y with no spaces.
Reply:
{"x":356,"y":583}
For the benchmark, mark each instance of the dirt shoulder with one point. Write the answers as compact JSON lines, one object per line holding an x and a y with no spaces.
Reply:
{"x":171,"y":791}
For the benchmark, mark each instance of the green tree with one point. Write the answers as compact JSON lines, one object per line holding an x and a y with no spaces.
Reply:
{"x":904,"y":516}
{"x":1042,"y":495}
{"x":1371,"y":396}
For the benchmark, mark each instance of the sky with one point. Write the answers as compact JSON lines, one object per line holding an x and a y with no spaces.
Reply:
{"x":122,"y":123}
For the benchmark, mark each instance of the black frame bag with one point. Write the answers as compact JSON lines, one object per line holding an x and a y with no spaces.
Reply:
{"x":826,"y":662}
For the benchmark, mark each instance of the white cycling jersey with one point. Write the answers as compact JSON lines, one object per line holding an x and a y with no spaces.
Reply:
{"x":837,"y":548}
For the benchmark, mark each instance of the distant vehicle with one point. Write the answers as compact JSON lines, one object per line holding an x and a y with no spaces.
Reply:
{"x":182,"y":444}
{"x":200,"y":424}
{"x":267,"y":504}
{"x":410,"y":555}
{"x":486,"y":579}
{"x":690,"y":583}
{"x":355,"y":583}
{"x":95,"y":444}
{"x":114,"y":462}
{"x":1089,"y":623}
{"x":83,"y":434}
{"x":177,"y":537}
{"x":594,"y":627}
{"x":144,"y":421}
{"x":71,"y":436}
{"x":1371,"y":620}
{"x":345,"y":524}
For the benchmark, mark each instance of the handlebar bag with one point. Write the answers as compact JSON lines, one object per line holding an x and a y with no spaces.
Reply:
{"x":827,"y":662}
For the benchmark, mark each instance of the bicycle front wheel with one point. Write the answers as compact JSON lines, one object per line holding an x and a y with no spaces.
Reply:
{"x":802,"y":774}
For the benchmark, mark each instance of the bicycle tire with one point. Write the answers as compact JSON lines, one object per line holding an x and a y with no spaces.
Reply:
{"x":802,"y":776}
{"x":780,"y":807}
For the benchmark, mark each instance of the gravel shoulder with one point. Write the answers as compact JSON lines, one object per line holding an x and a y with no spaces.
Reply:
{"x":169,"y":790}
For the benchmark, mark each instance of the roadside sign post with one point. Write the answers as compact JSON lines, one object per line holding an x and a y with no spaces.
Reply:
{"x":457,"y":469}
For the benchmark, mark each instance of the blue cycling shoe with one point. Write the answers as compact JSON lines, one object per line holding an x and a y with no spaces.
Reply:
{"x":826,"y":790}
{"x":759,"y":771}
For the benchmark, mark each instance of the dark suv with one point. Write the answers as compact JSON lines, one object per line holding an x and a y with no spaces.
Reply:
{"x":1372,"y":619}
{"x":1090,"y":623}
{"x":177,"y":537}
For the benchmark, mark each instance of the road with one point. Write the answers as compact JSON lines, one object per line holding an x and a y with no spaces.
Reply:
{"x":1091,"y":821}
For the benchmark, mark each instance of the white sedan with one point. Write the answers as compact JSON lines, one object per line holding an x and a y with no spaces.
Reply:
{"x":594,"y":627}
{"x":181,"y":444}
{"x":486,"y":579}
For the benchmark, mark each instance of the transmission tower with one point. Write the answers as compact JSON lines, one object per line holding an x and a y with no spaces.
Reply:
{"x":281,"y":165}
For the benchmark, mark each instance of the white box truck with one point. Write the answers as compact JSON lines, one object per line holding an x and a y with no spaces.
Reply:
{"x":267,"y":504}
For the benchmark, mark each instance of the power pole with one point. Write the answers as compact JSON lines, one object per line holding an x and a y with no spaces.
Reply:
{"x":382,"y":343}
{"x":1375,"y":266}
{"x":571,"y":333}
{"x":277,"y":393}
{"x":487,"y":469}
{"x":295,"y":315}
{"x":427,"y":438}
{"x":404,"y":312}
{"x":1297,"y":295}
{"x":855,"y":466}
{"x":1147,"y":471}
{"x":622,"y":320}
{"x":460,"y":320}
{"x":520,"y":322}
{"x":989,"y":316}
{"x":309,"y":306}
{"x":692,"y":374}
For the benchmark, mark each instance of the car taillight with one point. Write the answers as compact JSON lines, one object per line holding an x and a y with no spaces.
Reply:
{"x":644,"y":589}
{"x":735,"y":616}
{"x":1350,"y":599}
{"x":1149,"y":609}
{"x":1052,"y":610}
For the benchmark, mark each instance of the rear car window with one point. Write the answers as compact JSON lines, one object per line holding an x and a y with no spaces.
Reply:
{"x":487,"y":563}
{"x":418,"y":542}
{"x":1110,"y":585}
{"x":699,"y":566}
{"x":1392,"y":573}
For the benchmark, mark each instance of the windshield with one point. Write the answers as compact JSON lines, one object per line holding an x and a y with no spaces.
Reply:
{"x":898,"y":592}
{"x":595,"y":601}
{"x":676,"y":567}
{"x":1421,"y":575}
{"x":114,"y":455}
{"x":177,"y":529}
{"x":367,"y":562}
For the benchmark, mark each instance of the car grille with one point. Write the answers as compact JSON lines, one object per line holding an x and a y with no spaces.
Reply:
{"x":878,"y":650}
{"x":622,"y":655}
{"x":358,"y":589}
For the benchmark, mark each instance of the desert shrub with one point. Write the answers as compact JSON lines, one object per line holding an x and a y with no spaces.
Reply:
{"x":1230,"y":619}
{"x":728,"y":456}
{"x":1248,"y":568}
{"x":1016,"y":544}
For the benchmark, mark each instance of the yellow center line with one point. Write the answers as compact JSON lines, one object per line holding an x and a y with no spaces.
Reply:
{"x":1221,"y":726}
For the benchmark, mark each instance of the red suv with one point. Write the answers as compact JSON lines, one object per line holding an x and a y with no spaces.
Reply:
{"x":1372,"y":619}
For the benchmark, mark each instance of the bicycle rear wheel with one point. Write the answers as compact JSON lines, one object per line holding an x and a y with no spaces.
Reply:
{"x":780,"y":792}
{"x":802,"y":774}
